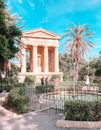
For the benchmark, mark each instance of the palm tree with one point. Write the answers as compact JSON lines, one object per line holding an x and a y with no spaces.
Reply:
{"x":78,"y":44}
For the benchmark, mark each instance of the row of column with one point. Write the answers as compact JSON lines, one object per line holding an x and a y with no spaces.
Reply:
{"x":34,"y":60}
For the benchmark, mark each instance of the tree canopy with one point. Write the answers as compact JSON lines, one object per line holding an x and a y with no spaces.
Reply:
{"x":9,"y":33}
{"x":9,"y":37}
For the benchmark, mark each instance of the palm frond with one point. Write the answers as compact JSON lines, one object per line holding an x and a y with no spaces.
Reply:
{"x":83,"y":30}
{"x":71,"y":29}
{"x":84,"y":25}
{"x":74,"y":25}
{"x":87,"y":34}
{"x":68,"y":34}
{"x":90,"y":44}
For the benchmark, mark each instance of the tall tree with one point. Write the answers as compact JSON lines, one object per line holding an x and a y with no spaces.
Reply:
{"x":9,"y":34}
{"x":78,"y":44}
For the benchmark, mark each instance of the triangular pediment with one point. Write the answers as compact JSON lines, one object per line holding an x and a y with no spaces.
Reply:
{"x":40,"y":33}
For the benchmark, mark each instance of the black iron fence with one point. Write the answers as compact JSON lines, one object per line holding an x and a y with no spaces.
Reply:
{"x":57,"y":97}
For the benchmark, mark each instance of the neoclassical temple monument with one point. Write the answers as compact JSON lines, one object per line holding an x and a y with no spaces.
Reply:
{"x":42,"y":47}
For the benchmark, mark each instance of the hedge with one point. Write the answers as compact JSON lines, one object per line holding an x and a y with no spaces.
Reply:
{"x":44,"y":88}
{"x":19,"y":102}
{"x":83,"y":110}
{"x":30,"y":80}
{"x":6,"y":87}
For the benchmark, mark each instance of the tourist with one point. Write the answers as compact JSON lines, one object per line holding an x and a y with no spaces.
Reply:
{"x":42,"y":81}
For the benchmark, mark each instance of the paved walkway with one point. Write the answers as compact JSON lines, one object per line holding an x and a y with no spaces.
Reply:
{"x":45,"y":120}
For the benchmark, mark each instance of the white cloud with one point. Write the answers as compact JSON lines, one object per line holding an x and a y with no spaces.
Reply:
{"x":94,"y":2}
{"x":22,"y":10}
{"x":31,"y":4}
{"x":98,"y":17}
{"x":97,"y":43}
{"x":20,"y":1}
{"x":61,"y":7}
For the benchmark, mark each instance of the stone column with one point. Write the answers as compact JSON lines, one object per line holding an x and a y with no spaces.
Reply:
{"x":46,"y":59}
{"x":56,"y":60}
{"x":23,"y":59}
{"x":31,"y":60}
{"x":34,"y":61}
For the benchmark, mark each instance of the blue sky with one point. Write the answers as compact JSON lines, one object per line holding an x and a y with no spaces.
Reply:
{"x":56,"y":15}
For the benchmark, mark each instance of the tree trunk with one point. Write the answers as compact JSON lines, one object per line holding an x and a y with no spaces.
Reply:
{"x":76,"y":73}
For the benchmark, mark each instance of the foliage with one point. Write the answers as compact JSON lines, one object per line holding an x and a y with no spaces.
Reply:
{"x":19,"y":102}
{"x":20,"y":85}
{"x":4,"y":50}
{"x":65,"y":62}
{"x":83,"y":110}
{"x":44,"y":88}
{"x":54,"y":77}
{"x":12,"y":75}
{"x":65,"y":77}
{"x":30,"y":80}
{"x":96,"y":64}
{"x":10,"y":80}
{"x":9,"y":34}
{"x":91,"y":68}
{"x":6,"y":87}
{"x":86,"y":69}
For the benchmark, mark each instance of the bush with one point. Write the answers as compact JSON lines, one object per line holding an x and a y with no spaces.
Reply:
{"x":20,"y":85}
{"x":44,"y":88}
{"x":11,"y":76}
{"x":65,"y":77}
{"x":30,"y":80}
{"x":54,"y":77}
{"x":6,"y":87}
{"x":83,"y":110}
{"x":17,"y":101}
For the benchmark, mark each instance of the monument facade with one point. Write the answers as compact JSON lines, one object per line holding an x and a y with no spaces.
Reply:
{"x":42,"y":47}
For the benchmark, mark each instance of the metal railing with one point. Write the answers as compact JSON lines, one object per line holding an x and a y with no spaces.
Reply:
{"x":58,"y":97}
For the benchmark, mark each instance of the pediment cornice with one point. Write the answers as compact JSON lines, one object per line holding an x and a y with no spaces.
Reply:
{"x":40,"y":33}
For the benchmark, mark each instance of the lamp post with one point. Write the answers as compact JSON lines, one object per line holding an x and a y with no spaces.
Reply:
{"x":74,"y":64}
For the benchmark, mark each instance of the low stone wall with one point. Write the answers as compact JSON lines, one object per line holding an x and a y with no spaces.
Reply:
{"x":79,"y":124}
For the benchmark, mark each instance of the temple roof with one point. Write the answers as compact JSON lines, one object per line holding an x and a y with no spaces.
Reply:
{"x":40,"y":33}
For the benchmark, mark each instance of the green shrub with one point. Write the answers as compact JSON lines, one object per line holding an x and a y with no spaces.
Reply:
{"x":30,"y":80}
{"x":11,"y":76}
{"x":19,"y":102}
{"x":54,"y":76}
{"x":65,"y":77}
{"x":22,"y":104}
{"x":6,"y":87}
{"x":83,"y":110}
{"x":44,"y":88}
{"x":20,"y":85}
{"x":22,"y":91}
